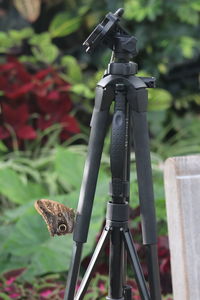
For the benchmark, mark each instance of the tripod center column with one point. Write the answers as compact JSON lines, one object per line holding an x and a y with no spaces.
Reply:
{"x":118,"y":186}
{"x":117,"y":209}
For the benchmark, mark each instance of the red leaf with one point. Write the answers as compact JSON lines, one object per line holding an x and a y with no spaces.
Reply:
{"x":26,"y":132}
{"x":7,"y":67}
{"x":15,"y":116}
{"x":41,"y":74}
{"x":163,"y":241}
{"x":20,"y":69}
{"x":41,"y":88}
{"x":57,"y":108}
{"x":14,"y":273}
{"x":20,"y":91}
{"x":4,"y":133}
{"x":43,"y":123}
{"x":53,"y":95}
{"x":165,"y":265}
{"x":70,"y":124}
{"x":23,"y":74}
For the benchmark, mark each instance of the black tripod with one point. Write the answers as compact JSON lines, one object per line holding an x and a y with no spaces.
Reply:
{"x":130,"y":96}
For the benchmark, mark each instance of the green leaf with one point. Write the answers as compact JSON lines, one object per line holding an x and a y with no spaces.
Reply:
{"x":31,"y":241}
{"x":69,"y":167}
{"x":63,"y":24}
{"x":30,"y":244}
{"x":12,"y":215}
{"x":187,"y":45}
{"x":73,"y":68}
{"x":12,"y":187}
{"x":36,"y":190}
{"x":8,"y":263}
{"x":37,"y":39}
{"x":3,"y":147}
{"x":4,"y":296}
{"x":139,"y":10}
{"x":159,"y":99}
{"x":14,"y":38}
{"x":82,"y":90}
{"x":19,"y":35}
{"x":27,"y":58}
{"x":5,"y":42}
{"x":156,"y":119}
{"x":195,"y":5}
{"x":42,"y":47}
{"x":185,"y":12}
{"x":16,"y":190}
{"x":5,"y":231}
{"x":45,"y":52}
{"x":27,"y":236}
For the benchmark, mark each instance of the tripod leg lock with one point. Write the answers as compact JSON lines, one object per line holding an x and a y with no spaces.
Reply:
{"x":117,"y":212}
{"x":119,"y":188}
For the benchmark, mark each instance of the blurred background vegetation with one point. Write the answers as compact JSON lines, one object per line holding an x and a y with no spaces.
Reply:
{"x":47,"y":85}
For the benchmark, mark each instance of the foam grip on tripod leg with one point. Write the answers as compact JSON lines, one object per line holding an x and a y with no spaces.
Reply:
{"x":117,"y":151}
{"x":144,"y":176}
{"x":88,"y":187}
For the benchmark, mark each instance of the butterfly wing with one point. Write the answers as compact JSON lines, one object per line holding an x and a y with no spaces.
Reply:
{"x":58,"y":217}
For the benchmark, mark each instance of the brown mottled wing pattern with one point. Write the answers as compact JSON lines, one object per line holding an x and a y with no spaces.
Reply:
{"x":29,"y":9}
{"x":58,"y":217}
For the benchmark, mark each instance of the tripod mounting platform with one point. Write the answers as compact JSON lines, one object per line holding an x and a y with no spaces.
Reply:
{"x":110,"y":33}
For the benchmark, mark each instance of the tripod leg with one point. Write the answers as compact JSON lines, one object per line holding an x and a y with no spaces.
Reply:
{"x":136,"y":265}
{"x":87,"y":276}
{"x":116,"y":265}
{"x":145,"y":185}
{"x":73,"y":271}
{"x":96,"y":141}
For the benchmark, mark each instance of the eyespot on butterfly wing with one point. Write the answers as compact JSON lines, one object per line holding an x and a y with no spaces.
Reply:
{"x":58,"y":217}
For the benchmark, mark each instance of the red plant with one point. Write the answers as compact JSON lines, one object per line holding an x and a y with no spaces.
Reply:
{"x":51,"y":287}
{"x":33,"y":101}
{"x":48,"y":287}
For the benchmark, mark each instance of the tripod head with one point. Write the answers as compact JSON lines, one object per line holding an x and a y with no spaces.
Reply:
{"x":110,"y":33}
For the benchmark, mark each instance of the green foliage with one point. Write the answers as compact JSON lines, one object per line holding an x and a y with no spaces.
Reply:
{"x":29,"y":244}
{"x":14,"y":38}
{"x":159,"y":100}
{"x":65,"y":162}
{"x":20,"y":191}
{"x":185,"y":139}
{"x":73,"y":70}
{"x":63,"y":24}
{"x":82,"y":90}
{"x":43,"y":49}
{"x":139,"y":10}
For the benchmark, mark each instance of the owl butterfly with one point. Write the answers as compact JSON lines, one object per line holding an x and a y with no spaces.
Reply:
{"x":58,"y":217}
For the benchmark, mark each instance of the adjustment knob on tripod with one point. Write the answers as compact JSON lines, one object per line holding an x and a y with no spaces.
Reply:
{"x":125,"y":46}
{"x":129,"y":45}
{"x":119,"y":12}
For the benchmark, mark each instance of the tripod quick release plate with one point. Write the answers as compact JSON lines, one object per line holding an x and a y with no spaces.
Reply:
{"x":103,"y":30}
